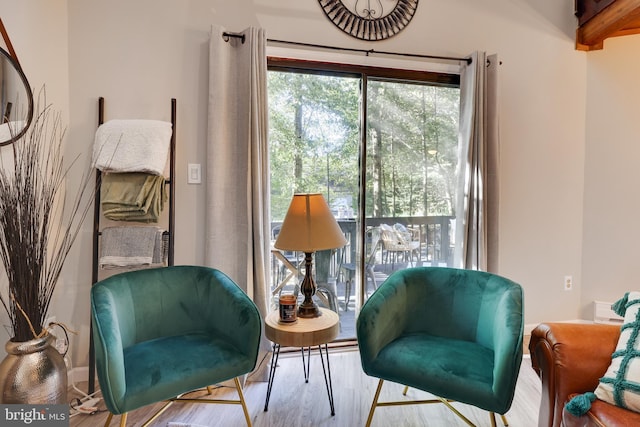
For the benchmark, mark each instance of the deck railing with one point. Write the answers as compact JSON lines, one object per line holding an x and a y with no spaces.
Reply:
{"x":434,"y":236}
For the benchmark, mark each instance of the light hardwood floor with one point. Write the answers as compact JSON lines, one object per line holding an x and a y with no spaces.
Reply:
{"x":296,"y":404}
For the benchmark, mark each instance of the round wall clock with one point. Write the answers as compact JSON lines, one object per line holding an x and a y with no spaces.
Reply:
{"x":370,"y":19}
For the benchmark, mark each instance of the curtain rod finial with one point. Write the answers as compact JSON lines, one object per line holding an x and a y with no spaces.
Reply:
{"x":226,"y":36}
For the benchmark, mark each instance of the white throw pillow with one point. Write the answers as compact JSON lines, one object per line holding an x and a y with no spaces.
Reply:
{"x":620,"y":385}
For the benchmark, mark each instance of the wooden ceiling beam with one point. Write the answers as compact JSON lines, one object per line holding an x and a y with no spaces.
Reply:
{"x":622,"y":17}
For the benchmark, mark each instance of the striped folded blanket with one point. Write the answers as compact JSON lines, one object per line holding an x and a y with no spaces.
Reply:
{"x":132,"y":246}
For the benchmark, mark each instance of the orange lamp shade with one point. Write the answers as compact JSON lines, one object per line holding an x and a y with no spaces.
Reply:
{"x":309,"y":226}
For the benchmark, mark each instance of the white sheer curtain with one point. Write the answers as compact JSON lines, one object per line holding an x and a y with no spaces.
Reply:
{"x":237,"y":208}
{"x":478,"y":197}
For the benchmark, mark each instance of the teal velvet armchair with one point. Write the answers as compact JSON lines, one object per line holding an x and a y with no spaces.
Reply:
{"x":454,"y":333}
{"x":160,"y":333}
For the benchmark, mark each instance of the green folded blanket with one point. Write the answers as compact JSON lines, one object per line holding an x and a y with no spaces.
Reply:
{"x":133,"y":196}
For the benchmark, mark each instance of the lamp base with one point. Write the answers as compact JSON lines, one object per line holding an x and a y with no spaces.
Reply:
{"x":308,"y":308}
{"x":308,"y":311}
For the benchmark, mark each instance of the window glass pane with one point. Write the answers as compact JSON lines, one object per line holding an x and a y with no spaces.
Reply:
{"x":313,"y":137}
{"x":411,"y":161}
{"x":314,"y":142}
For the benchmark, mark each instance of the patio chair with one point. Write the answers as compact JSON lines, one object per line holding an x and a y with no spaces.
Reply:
{"x":325,"y":289}
{"x":398,"y":241}
{"x":348,"y":270}
{"x":286,"y":265}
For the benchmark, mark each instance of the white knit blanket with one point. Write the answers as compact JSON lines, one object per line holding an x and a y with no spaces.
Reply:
{"x":132,"y":146}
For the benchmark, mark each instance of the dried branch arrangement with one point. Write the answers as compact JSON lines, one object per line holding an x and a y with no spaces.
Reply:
{"x":38,"y":223}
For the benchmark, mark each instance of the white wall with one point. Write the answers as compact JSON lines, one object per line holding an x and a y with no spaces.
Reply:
{"x":138,"y":54}
{"x":612,"y":202}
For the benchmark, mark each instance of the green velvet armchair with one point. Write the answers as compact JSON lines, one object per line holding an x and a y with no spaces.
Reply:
{"x":160,"y":333}
{"x":454,"y":333}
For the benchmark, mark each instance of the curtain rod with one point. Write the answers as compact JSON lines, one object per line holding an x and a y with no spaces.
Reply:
{"x":226,"y":35}
{"x":371,"y":51}
{"x":368,"y":52}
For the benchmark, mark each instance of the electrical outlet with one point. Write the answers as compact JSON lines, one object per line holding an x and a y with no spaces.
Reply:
{"x":568,"y":283}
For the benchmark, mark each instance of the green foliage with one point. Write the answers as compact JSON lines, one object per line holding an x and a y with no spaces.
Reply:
{"x":313,"y":136}
{"x":412,"y":139}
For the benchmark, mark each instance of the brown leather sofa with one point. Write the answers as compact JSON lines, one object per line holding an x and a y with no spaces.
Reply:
{"x":570,"y":359}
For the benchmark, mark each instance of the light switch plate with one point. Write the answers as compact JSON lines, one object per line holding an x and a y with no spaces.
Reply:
{"x":194,"y":173}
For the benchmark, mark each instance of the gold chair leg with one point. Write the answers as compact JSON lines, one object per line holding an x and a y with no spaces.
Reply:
{"x":374,"y":404}
{"x":492,"y":415}
{"x":242,"y":402}
{"x":157,"y":414}
{"x":458,"y":413}
{"x":493,"y":419}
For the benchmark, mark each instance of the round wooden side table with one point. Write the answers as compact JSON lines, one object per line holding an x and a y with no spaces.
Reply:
{"x":304,"y":333}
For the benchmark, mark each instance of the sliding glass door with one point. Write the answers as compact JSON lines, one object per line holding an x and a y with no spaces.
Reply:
{"x":383,"y":152}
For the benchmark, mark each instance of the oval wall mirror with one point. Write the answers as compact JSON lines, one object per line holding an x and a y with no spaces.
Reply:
{"x":16,"y":100}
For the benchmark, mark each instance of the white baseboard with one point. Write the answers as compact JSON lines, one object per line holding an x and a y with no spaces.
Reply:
{"x":78,"y":374}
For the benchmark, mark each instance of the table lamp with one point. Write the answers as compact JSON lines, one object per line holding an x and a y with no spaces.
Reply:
{"x":309,"y":226}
